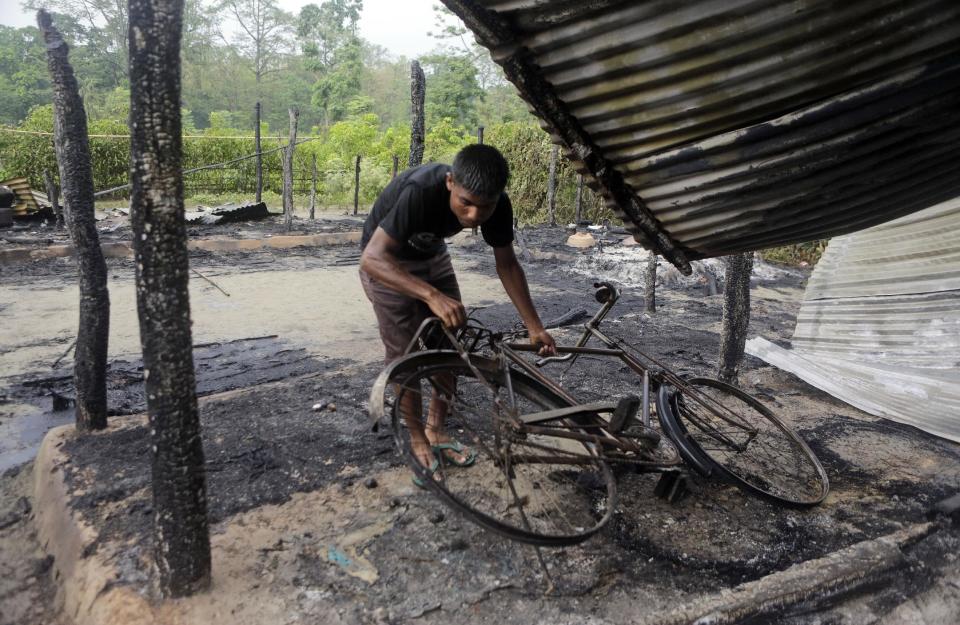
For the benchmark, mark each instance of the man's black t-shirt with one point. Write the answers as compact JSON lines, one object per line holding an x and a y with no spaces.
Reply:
{"x":415,"y":210}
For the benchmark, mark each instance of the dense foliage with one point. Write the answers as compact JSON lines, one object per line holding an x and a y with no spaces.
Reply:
{"x":525,"y":145}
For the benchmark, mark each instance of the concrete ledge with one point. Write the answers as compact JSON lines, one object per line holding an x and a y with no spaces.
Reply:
{"x":86,"y":589}
{"x":218,"y":244}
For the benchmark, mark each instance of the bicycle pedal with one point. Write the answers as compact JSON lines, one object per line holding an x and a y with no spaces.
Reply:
{"x":624,"y":414}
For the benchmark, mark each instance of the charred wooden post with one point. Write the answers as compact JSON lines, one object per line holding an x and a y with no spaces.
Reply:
{"x":181,"y":540}
{"x":418,"y":93}
{"x":396,"y":165}
{"x":53,"y":196}
{"x":552,"y":186}
{"x":288,"y":170}
{"x":650,"y":284}
{"x":313,"y":189}
{"x":736,"y":315}
{"x":356,"y":187}
{"x":578,"y":214}
{"x":259,"y":151}
{"x":76,"y":176}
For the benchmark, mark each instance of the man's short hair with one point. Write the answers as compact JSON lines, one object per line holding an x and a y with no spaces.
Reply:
{"x":481,"y":170}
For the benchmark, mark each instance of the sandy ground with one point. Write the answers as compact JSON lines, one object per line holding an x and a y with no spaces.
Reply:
{"x":26,"y":589}
{"x":314,"y":307}
{"x":314,"y":517}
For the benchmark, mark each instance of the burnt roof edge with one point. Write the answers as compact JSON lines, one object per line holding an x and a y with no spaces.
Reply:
{"x":522,"y":70}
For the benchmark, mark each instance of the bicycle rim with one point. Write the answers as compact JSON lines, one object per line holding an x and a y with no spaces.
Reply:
{"x":540,"y":490}
{"x":746,"y":443}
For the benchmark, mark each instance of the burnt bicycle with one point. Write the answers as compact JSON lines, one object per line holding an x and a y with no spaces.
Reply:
{"x":544,"y":469}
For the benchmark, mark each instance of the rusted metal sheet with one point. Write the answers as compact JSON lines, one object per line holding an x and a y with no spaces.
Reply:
{"x":879,"y":326}
{"x":719,"y":126}
{"x":28,"y":201}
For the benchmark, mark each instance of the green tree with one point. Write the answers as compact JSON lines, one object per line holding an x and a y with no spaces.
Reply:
{"x":386,"y":80}
{"x":336,"y":88}
{"x":24,"y":81}
{"x":444,"y":139}
{"x":263,"y":36}
{"x":98,"y":28}
{"x":452,"y":89}
{"x":332,"y":51}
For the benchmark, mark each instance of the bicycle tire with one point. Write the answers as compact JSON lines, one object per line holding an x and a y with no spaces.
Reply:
{"x":512,"y":488}
{"x":742,"y":441}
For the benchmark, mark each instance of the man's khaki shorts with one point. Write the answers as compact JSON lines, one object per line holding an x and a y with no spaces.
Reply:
{"x":399,"y":315}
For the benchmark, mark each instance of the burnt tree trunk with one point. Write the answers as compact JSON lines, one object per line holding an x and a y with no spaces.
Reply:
{"x":181,"y":541}
{"x":76,"y":178}
{"x":650,"y":284}
{"x":54,"y":198}
{"x":288,"y":171}
{"x":418,"y":92}
{"x":313,"y":189}
{"x":736,"y":315}
{"x":552,"y":186}
{"x":256,"y":141}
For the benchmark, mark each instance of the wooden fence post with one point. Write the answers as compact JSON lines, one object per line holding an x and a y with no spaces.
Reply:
{"x":76,"y":176}
{"x":288,"y":170}
{"x":552,"y":186}
{"x":418,"y":91}
{"x":313,"y":188}
{"x":259,"y":151}
{"x":356,"y":187}
{"x":480,"y":135}
{"x":396,"y":165}
{"x":578,"y":217}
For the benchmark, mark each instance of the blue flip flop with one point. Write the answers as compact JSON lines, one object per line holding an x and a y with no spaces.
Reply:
{"x":469,"y":456}
{"x":430,"y":471}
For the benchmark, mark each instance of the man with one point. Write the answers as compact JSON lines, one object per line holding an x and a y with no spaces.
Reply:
{"x":407,"y":275}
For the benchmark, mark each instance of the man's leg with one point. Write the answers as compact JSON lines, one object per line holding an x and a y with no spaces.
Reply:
{"x":444,"y":279}
{"x":398,"y":317}
{"x":411,"y":408}
{"x":441,"y":403}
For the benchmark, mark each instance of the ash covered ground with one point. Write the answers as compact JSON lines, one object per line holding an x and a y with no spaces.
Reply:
{"x":325,"y":484}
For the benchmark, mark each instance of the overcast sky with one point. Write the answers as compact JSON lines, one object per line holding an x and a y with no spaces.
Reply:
{"x":400,"y":26}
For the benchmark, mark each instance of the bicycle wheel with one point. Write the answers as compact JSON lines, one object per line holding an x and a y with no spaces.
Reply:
{"x":745,"y":443}
{"x":542,"y":489}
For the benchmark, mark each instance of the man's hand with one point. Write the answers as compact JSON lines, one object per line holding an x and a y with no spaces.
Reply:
{"x":450,"y":311}
{"x":543,"y":339}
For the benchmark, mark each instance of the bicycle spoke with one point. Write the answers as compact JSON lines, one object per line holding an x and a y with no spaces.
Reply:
{"x":749,"y":443}
{"x":534,"y":487}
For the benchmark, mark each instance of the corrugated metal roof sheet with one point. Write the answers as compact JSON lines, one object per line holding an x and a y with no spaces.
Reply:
{"x":719,"y":126}
{"x":28,"y":200}
{"x":879,"y":326}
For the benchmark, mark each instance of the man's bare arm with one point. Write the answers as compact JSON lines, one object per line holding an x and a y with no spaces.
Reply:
{"x":380,"y":261}
{"x":515,"y":284}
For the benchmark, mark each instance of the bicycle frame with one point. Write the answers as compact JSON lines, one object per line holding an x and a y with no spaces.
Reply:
{"x":652,"y":381}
